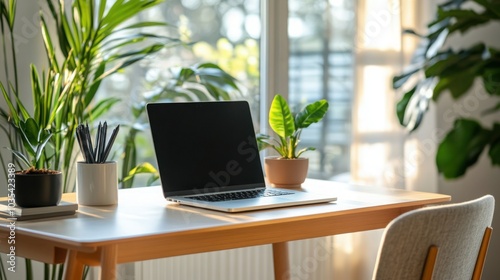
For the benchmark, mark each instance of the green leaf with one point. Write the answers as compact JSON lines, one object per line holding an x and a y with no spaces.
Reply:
{"x":299,"y":153}
{"x":464,"y":19}
{"x":143,"y":24}
{"x":400,"y":80}
{"x":418,"y":104}
{"x":217,"y":92}
{"x":491,"y":7}
{"x":102,"y":8}
{"x":403,"y":104}
{"x":21,"y":157}
{"x":49,"y":47}
{"x":280,"y":117}
{"x":42,"y":142}
{"x":143,"y":168}
{"x":89,"y":96}
{"x":101,"y":107}
{"x":12,"y":13}
{"x":312,"y":113}
{"x":491,"y":79}
{"x":461,"y":147}
{"x":31,"y":132}
{"x":494,"y":152}
{"x":458,"y":84}
{"x":13,"y":111}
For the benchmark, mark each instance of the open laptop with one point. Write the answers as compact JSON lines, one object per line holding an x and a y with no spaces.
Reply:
{"x":208,"y":157}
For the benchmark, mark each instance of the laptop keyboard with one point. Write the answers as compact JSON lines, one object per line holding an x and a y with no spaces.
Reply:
{"x":240,"y":195}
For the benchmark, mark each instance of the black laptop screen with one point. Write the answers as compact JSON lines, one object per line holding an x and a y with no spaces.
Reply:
{"x":205,"y":146}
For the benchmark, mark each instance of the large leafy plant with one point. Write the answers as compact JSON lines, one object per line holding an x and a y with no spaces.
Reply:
{"x":288,"y":127}
{"x":438,"y":70}
{"x":35,"y":130}
{"x":88,"y":43}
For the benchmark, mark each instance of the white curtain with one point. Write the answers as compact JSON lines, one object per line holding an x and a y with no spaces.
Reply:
{"x":379,"y":143}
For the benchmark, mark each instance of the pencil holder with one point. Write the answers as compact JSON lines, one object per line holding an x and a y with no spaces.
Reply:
{"x":97,"y":183}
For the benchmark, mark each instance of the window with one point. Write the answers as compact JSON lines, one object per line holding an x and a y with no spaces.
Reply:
{"x":321,"y":67}
{"x":228,"y":33}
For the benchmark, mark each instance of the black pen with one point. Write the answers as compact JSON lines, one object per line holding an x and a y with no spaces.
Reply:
{"x":89,"y":144}
{"x":102,"y":157}
{"x":110,"y":142}
{"x":97,"y":140}
{"x":79,"y":139}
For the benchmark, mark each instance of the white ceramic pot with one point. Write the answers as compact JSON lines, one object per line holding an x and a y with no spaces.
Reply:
{"x":97,"y":183}
{"x":286,"y":173}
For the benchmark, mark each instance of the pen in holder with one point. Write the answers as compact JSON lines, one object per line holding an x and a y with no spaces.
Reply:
{"x":97,"y":178}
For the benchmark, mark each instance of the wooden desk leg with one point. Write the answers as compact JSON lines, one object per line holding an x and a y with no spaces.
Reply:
{"x":280,"y":258}
{"x":108,"y":262}
{"x":72,"y":268}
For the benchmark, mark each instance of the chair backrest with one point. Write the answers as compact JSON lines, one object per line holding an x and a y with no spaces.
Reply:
{"x":454,"y":231}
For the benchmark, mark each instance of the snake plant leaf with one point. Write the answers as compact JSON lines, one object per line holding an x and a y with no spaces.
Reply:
{"x":280,"y":117}
{"x":494,"y":151}
{"x":461,"y":147}
{"x":312,"y":113}
{"x":13,"y":112}
{"x":42,"y":142}
{"x":21,"y":157}
{"x":31,"y":132}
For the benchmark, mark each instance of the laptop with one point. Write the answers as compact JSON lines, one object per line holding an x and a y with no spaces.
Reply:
{"x":208,"y":157}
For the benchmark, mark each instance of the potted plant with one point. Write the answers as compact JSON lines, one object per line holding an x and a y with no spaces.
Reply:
{"x":289,"y":169}
{"x":36,"y":186}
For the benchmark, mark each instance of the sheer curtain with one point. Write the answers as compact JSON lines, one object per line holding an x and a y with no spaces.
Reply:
{"x":379,"y":143}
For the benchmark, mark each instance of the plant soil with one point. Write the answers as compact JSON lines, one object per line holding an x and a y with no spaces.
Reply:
{"x":33,"y":170}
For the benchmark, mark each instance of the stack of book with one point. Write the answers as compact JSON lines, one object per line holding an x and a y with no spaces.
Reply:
{"x":19,"y":213}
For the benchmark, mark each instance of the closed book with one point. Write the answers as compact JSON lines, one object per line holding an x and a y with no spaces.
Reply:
{"x":16,"y":211}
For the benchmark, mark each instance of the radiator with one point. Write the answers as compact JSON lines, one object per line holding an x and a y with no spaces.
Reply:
{"x":309,"y":259}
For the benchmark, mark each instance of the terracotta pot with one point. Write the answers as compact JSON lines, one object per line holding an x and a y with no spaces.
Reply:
{"x":38,"y":190}
{"x":286,"y":173}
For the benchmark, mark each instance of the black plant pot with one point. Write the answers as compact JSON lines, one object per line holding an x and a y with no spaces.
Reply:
{"x":38,"y":190}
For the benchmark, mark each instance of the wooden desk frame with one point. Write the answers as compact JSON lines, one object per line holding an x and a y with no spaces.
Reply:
{"x":109,"y":253}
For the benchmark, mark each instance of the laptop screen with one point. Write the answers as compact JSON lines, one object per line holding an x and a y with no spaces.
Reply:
{"x":205,"y":146}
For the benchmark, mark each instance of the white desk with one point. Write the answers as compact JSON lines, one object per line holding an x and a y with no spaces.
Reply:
{"x":144,"y":226}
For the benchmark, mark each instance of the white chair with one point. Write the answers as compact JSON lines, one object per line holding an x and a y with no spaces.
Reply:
{"x":437,"y":242}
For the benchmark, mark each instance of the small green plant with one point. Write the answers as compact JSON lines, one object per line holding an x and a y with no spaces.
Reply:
{"x":35,"y":130}
{"x":34,"y":140}
{"x":289,"y":126}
